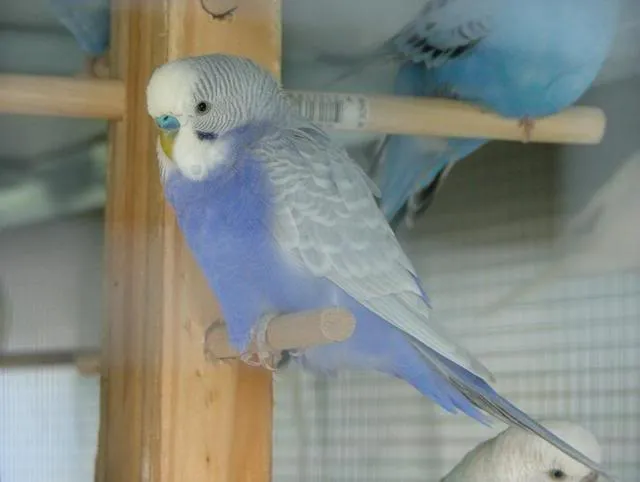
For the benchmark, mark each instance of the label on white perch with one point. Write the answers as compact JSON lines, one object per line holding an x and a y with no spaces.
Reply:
{"x":339,"y":111}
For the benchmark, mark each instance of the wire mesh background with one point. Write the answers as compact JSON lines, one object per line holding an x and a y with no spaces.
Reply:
{"x":569,"y":351}
{"x":52,"y":278}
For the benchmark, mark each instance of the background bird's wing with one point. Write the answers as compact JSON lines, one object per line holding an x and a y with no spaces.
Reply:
{"x":445,"y":29}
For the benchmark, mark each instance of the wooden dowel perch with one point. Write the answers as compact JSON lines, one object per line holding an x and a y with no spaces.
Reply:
{"x":70,"y":97}
{"x":287,"y":332}
{"x":62,"y":96}
{"x":444,"y":118}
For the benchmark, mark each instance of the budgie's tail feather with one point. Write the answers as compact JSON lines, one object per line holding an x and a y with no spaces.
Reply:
{"x":419,"y":202}
{"x":481,"y":395}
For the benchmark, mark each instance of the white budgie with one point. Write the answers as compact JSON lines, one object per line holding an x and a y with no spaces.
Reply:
{"x":516,"y":455}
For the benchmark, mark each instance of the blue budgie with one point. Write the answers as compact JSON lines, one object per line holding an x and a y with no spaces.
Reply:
{"x":521,"y":59}
{"x":89,"y":21}
{"x":281,"y":220}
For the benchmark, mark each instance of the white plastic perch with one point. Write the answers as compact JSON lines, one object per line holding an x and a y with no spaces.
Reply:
{"x":95,"y":98}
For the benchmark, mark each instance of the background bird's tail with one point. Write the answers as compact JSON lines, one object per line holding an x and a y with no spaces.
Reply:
{"x":408,"y":166}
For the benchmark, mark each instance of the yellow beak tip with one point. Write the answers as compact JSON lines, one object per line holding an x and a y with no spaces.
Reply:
{"x":166,"y":142}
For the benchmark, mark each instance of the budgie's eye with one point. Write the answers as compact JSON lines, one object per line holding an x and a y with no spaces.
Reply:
{"x":202,"y":107}
{"x":557,"y":474}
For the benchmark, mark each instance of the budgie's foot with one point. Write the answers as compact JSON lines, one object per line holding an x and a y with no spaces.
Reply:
{"x":95,"y":67}
{"x":266,"y":357}
{"x":527,"y":124}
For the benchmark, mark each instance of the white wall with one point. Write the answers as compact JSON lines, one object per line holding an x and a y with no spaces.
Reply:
{"x":51,"y":277}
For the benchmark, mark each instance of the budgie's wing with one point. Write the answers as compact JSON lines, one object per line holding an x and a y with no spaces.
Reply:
{"x":442,"y":30}
{"x":87,"y":20}
{"x":327,"y":221}
{"x":445,"y":29}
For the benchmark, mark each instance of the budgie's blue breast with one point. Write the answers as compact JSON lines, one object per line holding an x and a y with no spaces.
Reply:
{"x":227,"y":222}
{"x":538,"y":58}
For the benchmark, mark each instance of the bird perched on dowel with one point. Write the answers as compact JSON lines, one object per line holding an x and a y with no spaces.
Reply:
{"x":89,"y":21}
{"x":281,"y":221}
{"x":516,"y":455}
{"x":522,"y":60}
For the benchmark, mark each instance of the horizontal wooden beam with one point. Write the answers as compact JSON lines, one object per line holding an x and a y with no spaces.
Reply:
{"x":71,"y":97}
{"x":87,"y":362}
{"x":62,"y":96}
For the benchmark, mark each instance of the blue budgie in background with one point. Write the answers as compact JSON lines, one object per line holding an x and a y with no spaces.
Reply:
{"x":281,"y":220}
{"x":412,"y":168}
{"x":89,"y":21}
{"x":521,"y":59}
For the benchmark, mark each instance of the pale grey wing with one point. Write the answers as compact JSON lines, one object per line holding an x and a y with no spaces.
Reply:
{"x":445,"y":29}
{"x":327,"y":221}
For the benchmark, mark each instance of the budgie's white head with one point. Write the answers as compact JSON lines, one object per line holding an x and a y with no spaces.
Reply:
{"x":196,"y":101}
{"x":519,"y":456}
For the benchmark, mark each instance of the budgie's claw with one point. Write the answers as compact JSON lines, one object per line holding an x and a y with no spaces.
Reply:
{"x":527,"y":124}
{"x":95,"y":67}
{"x":266,"y":357}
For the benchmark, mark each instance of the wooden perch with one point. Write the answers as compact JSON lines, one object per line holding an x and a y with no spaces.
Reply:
{"x":61,"y":96}
{"x":444,"y":118}
{"x":70,"y":97}
{"x":287,"y":332}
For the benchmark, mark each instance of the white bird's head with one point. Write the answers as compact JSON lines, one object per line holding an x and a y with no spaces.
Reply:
{"x":515,"y":455}
{"x":196,"y":101}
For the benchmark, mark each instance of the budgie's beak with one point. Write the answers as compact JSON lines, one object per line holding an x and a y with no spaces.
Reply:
{"x":592,"y":477}
{"x":169,"y":127}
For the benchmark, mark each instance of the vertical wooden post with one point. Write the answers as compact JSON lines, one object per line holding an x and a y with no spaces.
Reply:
{"x":166,"y":414}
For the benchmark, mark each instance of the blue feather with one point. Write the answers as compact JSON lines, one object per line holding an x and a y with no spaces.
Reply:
{"x":89,"y":21}
{"x":251,"y":277}
{"x":518,"y":59}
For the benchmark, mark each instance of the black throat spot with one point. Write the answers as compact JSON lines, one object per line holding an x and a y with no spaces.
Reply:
{"x":207,"y":136}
